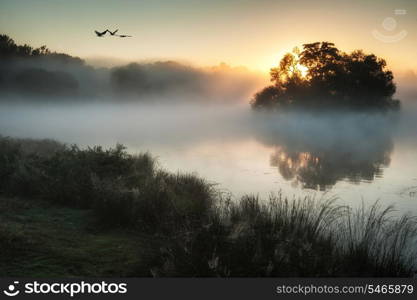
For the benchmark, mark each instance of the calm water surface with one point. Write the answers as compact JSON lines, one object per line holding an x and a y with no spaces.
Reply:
{"x":354,"y":157}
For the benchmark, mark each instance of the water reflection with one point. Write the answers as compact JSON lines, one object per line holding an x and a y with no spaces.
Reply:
{"x":316,"y":154}
{"x":323,"y":170}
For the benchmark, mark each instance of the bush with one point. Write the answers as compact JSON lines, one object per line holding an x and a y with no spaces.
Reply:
{"x":122,"y":189}
{"x":9,"y":157}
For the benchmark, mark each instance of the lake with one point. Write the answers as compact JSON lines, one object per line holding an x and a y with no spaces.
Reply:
{"x":355,"y":157}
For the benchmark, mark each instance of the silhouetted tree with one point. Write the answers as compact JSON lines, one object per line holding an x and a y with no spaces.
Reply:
{"x":9,"y":49}
{"x":157,"y":77}
{"x":268,"y":98}
{"x":333,"y":79}
{"x":37,"y":71}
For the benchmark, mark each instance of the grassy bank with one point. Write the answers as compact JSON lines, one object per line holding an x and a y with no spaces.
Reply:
{"x":66,"y":211}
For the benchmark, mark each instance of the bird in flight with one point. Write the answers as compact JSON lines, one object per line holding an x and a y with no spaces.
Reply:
{"x":100,"y":34}
{"x":114,"y":32}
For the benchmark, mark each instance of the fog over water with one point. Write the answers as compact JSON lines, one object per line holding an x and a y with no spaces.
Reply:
{"x":353,"y":156}
{"x":199,"y":120}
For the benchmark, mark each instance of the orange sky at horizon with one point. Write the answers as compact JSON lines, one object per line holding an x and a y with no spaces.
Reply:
{"x":254,"y":34}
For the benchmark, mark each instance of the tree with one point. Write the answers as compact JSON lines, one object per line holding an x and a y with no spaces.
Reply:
{"x":42,"y":82}
{"x":268,"y":98}
{"x":9,"y":49}
{"x":37,"y":71}
{"x":288,"y":70}
{"x":333,"y":79}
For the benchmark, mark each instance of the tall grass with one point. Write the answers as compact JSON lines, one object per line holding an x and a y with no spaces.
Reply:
{"x":298,"y":237}
{"x":201,"y":231}
{"x":373,"y":241}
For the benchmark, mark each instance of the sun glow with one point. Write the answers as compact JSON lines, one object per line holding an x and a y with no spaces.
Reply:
{"x":303,"y":70}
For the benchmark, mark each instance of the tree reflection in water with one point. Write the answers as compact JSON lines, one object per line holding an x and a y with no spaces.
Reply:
{"x":317,"y":155}
{"x":323,"y":170}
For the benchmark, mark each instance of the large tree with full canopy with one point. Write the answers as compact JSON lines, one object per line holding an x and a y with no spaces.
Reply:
{"x":321,"y":76}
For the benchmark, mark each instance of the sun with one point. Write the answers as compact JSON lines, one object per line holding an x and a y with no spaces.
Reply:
{"x":303,"y":69}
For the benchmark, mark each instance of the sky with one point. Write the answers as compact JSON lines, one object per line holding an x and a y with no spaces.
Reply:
{"x":247,"y":33}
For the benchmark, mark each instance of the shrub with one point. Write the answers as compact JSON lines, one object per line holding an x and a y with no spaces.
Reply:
{"x":123,"y":189}
{"x":9,"y":157}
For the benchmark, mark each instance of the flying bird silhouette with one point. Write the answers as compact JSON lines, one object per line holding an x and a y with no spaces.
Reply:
{"x":100,"y":34}
{"x":114,"y":32}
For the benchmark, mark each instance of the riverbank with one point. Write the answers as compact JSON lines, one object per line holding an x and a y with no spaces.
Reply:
{"x":67,"y":212}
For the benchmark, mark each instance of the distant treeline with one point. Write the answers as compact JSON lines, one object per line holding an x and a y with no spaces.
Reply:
{"x":40,"y":72}
{"x":37,"y":71}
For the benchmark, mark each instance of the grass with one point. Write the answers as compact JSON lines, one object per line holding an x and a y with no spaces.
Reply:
{"x":56,"y":241}
{"x":374,"y":242}
{"x":66,"y":211}
{"x":299,"y":237}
